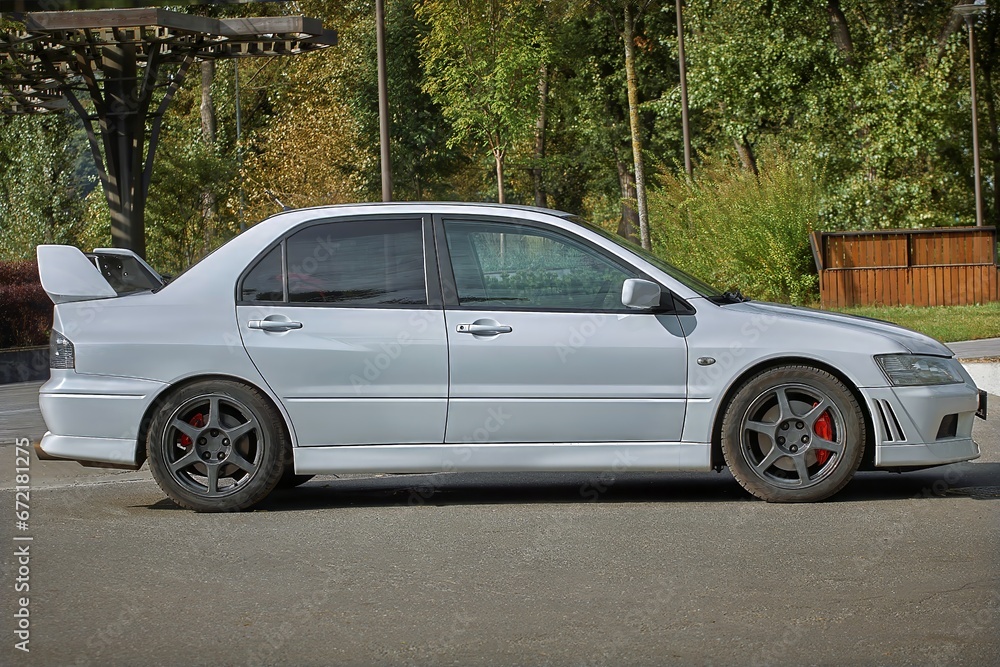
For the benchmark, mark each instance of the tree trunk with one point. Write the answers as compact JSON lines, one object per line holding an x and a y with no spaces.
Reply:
{"x":954,"y":23}
{"x":840,"y":31}
{"x":745,"y":151}
{"x":543,"y":103}
{"x":628,"y":36}
{"x":207,"y":105}
{"x":501,"y":199}
{"x":498,"y":155}
{"x":208,"y":126}
{"x":629,"y":224}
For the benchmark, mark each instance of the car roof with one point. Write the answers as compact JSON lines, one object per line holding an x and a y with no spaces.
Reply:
{"x":426,"y":205}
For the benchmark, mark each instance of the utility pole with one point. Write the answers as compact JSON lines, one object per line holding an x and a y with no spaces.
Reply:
{"x":239,"y":146}
{"x":969,"y":13}
{"x":383,"y":102}
{"x":685,"y":125}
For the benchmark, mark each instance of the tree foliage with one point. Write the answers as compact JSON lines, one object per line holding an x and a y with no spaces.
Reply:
{"x":858,"y":111}
{"x":44,"y":176}
{"x":482,"y":59}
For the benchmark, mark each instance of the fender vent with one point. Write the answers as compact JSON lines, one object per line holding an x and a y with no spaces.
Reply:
{"x":890,"y":424}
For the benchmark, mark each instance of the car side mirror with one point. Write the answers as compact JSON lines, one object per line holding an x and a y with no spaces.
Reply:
{"x":639,"y":293}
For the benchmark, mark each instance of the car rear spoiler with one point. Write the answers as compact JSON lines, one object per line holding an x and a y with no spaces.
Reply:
{"x":68,"y":274}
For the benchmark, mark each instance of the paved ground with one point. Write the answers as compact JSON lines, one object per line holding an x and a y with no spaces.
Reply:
{"x":508,"y":569}
{"x":19,"y":416}
{"x":977,"y":349}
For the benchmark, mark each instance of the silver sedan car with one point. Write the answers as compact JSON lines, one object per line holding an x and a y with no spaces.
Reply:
{"x":408,"y":338}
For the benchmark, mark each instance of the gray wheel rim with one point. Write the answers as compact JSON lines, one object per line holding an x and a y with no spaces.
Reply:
{"x":217,"y":454}
{"x":778,"y":436}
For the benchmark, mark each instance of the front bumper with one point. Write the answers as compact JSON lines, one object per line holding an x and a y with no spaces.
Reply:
{"x":923,"y":426}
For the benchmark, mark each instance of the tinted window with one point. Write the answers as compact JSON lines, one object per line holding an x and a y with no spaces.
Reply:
{"x":524,"y":267}
{"x":125,"y":274}
{"x":263,"y":283}
{"x":365,"y":263}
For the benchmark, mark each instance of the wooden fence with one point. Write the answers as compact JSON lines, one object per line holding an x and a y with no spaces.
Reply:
{"x":920,"y":267}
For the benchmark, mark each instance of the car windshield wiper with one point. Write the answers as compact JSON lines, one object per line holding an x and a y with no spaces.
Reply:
{"x":729,"y":297}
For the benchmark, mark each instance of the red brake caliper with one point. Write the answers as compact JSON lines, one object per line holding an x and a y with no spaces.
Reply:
{"x":824,"y":429}
{"x":198,"y":421}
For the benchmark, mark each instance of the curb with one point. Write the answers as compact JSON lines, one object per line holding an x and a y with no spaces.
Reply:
{"x":986,"y":373}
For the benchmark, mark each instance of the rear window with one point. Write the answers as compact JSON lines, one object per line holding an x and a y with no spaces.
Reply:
{"x":125,"y":274}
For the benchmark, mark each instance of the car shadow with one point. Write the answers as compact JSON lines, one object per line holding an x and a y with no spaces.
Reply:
{"x":979,"y":481}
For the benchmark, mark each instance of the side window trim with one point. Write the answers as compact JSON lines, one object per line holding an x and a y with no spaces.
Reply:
{"x":284,"y":271}
{"x":449,"y":288}
{"x":432,"y":276}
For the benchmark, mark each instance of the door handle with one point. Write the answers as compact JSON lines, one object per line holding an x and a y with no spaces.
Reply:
{"x":274,"y":325}
{"x":484,"y":329}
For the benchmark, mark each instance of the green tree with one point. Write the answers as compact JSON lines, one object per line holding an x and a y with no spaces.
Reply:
{"x":482,"y":59}
{"x":45,"y":175}
{"x":863,"y":91}
{"x":630,"y":13}
{"x":422,"y":161}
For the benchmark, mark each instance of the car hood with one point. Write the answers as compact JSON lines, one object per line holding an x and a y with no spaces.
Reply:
{"x":916,"y":343}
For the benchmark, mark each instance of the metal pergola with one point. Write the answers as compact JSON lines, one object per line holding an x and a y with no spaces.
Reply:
{"x":121,"y":60}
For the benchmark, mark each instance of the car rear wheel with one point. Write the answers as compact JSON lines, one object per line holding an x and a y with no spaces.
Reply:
{"x":793,"y":434}
{"x":216,"y":446}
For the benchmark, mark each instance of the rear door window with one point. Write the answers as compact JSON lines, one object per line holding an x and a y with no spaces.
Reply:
{"x":362,"y":263}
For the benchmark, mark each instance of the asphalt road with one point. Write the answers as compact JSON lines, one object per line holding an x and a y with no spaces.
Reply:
{"x":634,"y":569}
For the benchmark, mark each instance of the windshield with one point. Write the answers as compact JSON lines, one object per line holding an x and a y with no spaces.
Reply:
{"x":686,"y":279}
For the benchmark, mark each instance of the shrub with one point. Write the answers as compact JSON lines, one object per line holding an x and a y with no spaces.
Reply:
{"x":735,"y":230}
{"x":25,"y":308}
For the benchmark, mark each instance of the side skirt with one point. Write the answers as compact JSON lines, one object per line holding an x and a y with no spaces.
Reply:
{"x":514,"y":457}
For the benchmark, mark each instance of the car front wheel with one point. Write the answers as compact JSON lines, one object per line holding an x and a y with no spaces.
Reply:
{"x":793,"y":434}
{"x":216,"y":446}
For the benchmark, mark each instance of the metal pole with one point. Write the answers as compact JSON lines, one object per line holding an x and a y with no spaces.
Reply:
{"x":239,"y":145}
{"x":684,"y":90}
{"x":383,"y":102}
{"x":975,"y":124}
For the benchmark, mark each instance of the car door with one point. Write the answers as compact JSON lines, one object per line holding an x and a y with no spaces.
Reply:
{"x":347,"y":329}
{"x":542,"y":349}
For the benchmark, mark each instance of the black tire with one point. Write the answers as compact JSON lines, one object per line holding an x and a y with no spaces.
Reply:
{"x":216,"y":446}
{"x":772,"y":434}
{"x":289,"y":480}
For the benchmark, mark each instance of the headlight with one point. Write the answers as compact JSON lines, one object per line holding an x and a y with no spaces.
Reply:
{"x":909,"y":370}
